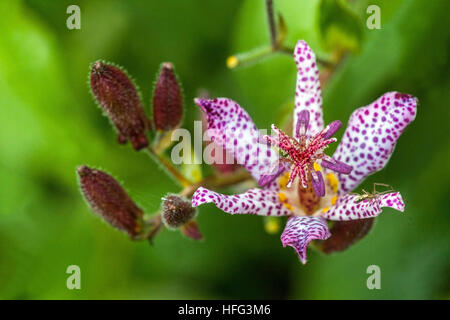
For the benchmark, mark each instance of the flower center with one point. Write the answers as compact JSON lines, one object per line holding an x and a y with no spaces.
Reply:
{"x":304,"y":201}
{"x":304,"y":152}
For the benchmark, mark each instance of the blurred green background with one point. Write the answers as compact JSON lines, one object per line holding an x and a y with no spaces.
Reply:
{"x":49,"y":124}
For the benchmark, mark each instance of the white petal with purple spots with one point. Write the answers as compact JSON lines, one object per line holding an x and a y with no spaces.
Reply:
{"x":346,"y":208}
{"x":263,"y":202}
{"x":308,"y":95}
{"x":299,"y":231}
{"x":231,"y":127}
{"x":371,"y":134}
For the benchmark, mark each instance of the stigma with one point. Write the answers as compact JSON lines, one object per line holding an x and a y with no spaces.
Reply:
{"x":305,"y":152}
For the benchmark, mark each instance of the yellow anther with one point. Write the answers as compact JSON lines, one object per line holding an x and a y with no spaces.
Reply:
{"x":332,"y":181}
{"x":325,"y":209}
{"x":272,"y":226}
{"x":284,"y":179}
{"x":316,"y":167}
{"x":333,"y":200}
{"x":282,"y":197}
{"x":232,"y":62}
{"x":287,"y":205}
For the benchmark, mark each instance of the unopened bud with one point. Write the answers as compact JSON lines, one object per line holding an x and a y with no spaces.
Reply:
{"x":108,"y":199}
{"x":118,"y":96}
{"x":346,"y":233}
{"x":167,"y":99}
{"x":191,"y":230}
{"x":176,"y":211}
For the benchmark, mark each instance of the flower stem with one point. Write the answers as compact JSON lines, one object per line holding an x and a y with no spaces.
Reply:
{"x":153,"y":224}
{"x":288,"y":50}
{"x":277,"y":36}
{"x":170,"y":168}
{"x":217,"y":181}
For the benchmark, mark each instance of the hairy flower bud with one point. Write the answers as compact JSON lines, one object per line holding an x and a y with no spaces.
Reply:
{"x":167,"y":99}
{"x":176,"y":211}
{"x":108,"y":199}
{"x":117,"y":95}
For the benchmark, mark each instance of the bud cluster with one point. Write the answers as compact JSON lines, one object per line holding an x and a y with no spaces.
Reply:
{"x":118,"y":96}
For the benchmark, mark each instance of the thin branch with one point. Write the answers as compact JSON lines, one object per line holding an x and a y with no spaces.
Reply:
{"x":272,"y":25}
{"x":171,"y":169}
{"x":290,"y":51}
{"x":217,"y":181}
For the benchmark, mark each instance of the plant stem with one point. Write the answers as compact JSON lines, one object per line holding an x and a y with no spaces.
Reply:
{"x":272,"y":25}
{"x":289,"y":51}
{"x":217,"y":181}
{"x":153,"y":224}
{"x":170,"y":168}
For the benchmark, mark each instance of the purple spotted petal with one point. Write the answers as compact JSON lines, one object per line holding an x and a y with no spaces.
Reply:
{"x":346,"y":208}
{"x":263,"y":202}
{"x":308,"y":95}
{"x":299,"y":231}
{"x":231,"y":127}
{"x":371,"y":134}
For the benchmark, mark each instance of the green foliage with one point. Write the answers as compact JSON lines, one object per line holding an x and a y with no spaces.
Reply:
{"x":340,"y":28}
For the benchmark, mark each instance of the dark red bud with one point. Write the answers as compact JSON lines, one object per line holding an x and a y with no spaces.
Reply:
{"x":167,"y":99}
{"x":346,"y":233}
{"x":176,"y":211}
{"x":108,"y":199}
{"x":118,"y":96}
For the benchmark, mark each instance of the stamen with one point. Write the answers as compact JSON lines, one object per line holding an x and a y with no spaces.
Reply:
{"x":334,"y":200}
{"x":316,"y":166}
{"x":332,"y":128}
{"x":325,"y":209}
{"x":302,"y":123}
{"x":332,"y":181}
{"x":266,"y":179}
{"x":303,"y":153}
{"x":338,"y":166}
{"x":318,"y":183}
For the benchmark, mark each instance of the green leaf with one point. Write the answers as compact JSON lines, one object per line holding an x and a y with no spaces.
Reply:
{"x":340,"y":28}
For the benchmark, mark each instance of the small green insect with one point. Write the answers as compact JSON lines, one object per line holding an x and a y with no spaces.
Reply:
{"x":374,"y":195}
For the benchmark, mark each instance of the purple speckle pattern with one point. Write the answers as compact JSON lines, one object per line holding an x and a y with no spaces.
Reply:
{"x":231,"y":127}
{"x":308,"y":95}
{"x":346,"y":208}
{"x":299,"y":231}
{"x":263,"y":202}
{"x":367,"y":144}
{"x":371,"y":134}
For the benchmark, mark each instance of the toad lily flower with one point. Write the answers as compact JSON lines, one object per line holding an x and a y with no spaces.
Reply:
{"x":303,"y":195}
